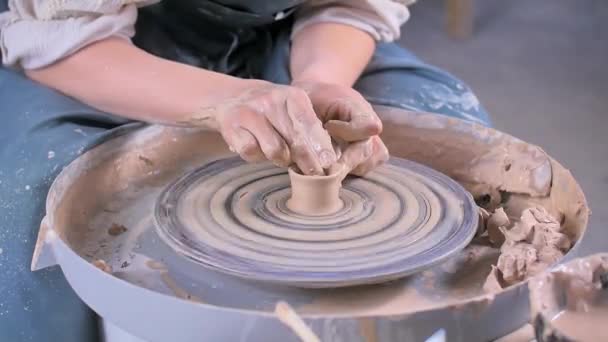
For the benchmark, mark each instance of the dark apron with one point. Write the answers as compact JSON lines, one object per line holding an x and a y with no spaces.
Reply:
{"x":228,"y":36}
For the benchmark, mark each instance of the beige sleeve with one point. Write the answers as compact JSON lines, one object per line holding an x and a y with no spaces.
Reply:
{"x":36,"y":33}
{"x":382,"y":19}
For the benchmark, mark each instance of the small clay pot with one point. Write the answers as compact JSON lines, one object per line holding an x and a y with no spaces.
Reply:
{"x":315,"y":195}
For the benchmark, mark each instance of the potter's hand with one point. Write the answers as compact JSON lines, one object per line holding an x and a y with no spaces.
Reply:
{"x":348,"y":117}
{"x":277,"y":123}
{"x":344,"y":112}
{"x":363,"y":156}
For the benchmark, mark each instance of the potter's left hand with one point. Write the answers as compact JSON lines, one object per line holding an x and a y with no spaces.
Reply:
{"x":347,"y":116}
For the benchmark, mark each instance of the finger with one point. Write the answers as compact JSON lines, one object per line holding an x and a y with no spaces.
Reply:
{"x":356,"y":153}
{"x":269,"y":140}
{"x":379,"y":155}
{"x":341,"y":130}
{"x":346,"y":105}
{"x":380,"y":150}
{"x":311,"y":146}
{"x":304,"y":157}
{"x":243,"y":143}
{"x":354,"y":121}
{"x":338,"y":146}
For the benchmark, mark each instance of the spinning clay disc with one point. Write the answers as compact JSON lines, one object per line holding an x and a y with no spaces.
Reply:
{"x":231,"y":216}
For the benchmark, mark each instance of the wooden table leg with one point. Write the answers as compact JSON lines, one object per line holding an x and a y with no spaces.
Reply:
{"x":459,"y":18}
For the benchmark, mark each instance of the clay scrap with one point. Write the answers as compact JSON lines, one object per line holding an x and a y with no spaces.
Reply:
{"x":116,"y":229}
{"x":102,"y":265}
{"x":497,"y":221}
{"x":527,"y":246}
{"x":494,"y":282}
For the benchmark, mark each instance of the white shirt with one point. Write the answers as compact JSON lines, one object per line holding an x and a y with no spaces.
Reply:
{"x":37,"y":33}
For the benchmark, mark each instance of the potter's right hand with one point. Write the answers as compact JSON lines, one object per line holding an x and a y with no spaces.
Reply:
{"x":277,"y":123}
{"x":361,"y":157}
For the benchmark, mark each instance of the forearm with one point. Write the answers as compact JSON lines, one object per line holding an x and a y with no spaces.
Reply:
{"x":119,"y":78}
{"x":330,"y":53}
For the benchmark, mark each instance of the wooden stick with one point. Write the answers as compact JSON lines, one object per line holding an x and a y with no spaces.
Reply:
{"x":459,"y":17}
{"x":291,"y":319}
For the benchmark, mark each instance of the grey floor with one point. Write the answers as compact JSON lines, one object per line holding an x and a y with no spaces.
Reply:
{"x":540,"y":68}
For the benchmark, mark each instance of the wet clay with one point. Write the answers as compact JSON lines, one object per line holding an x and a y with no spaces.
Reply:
{"x":572,"y":299}
{"x":535,"y":242}
{"x":494,"y":281}
{"x":587,"y":326}
{"x":315,"y":195}
{"x":576,"y":285}
{"x":498,"y":170}
{"x":495,"y":221}
{"x":483,"y":218}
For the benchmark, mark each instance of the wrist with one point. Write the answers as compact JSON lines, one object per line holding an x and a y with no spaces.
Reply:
{"x":330,"y":53}
{"x":210,"y":104}
{"x":321,"y":74}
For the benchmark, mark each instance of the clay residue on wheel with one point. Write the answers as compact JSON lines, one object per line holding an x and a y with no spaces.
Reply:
{"x":474,"y":155}
{"x":532,"y":209}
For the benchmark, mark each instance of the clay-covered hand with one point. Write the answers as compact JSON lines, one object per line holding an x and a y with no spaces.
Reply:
{"x":348,"y":117}
{"x":343,"y":111}
{"x":274,"y":122}
{"x":363,"y":156}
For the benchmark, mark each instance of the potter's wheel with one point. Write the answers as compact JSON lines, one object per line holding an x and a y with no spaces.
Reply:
{"x":101,"y":209}
{"x":233,"y":217}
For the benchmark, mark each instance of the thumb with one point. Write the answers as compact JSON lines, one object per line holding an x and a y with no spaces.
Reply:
{"x":355,"y":154}
{"x":358,"y":127}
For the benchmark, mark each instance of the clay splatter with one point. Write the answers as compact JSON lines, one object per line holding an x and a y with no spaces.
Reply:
{"x":117,"y":229}
{"x":147,"y":161}
{"x":102,"y":265}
